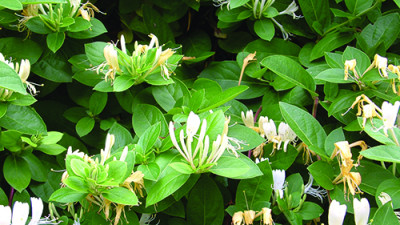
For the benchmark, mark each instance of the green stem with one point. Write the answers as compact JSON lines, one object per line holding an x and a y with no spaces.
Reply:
{"x":356,"y":17}
{"x":397,"y":143}
{"x":383,"y":164}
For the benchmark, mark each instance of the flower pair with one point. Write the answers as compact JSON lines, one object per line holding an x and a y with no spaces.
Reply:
{"x":20,"y":213}
{"x":247,"y":217}
{"x":337,"y":212}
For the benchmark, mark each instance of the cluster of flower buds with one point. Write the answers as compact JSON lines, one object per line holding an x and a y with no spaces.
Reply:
{"x":201,"y":156}
{"x":387,"y":113}
{"x":143,"y":61}
{"x":267,"y":129}
{"x":23,"y":69}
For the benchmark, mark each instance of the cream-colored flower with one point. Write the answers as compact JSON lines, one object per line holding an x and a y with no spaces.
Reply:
{"x":249,"y":216}
{"x":361,"y":211}
{"x":337,"y":213}
{"x":389,"y":115}
{"x":350,"y":65}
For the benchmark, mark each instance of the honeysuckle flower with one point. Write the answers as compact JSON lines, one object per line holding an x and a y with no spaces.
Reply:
{"x":260,"y":6}
{"x":315,"y":192}
{"x":380,"y":63}
{"x":137,"y":179}
{"x":261,"y":121}
{"x":77,"y":222}
{"x":389,"y":115}
{"x":336,"y":213}
{"x":192,"y":124}
{"x":248,"y":119}
{"x":37,"y":210}
{"x":29,"y":11}
{"x":23,"y":69}
{"x":122,"y":41}
{"x":279,"y":182}
{"x":290,"y":10}
{"x":266,"y":216}
{"x":368,"y":110}
{"x":124,"y":154}
{"x":285,"y":34}
{"x":5,"y":215}
{"x":350,"y":65}
{"x":111,"y":56}
{"x":220,"y":3}
{"x":237,"y":218}
{"x":146,"y":219}
{"x":249,"y":216}
{"x":361,"y":211}
{"x":257,"y":161}
{"x":20,"y":213}
{"x":105,"y":154}
{"x":270,"y":131}
{"x":286,"y":135}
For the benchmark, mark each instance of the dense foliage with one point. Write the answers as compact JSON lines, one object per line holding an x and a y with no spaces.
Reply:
{"x":199,"y":111}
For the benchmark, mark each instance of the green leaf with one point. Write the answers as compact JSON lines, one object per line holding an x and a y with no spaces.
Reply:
{"x":379,"y":36}
{"x":17,"y":172}
{"x":250,"y":138}
{"x":55,"y":41}
{"x":95,"y":30}
{"x":384,"y":153}
{"x":357,"y":6}
{"x":122,"y":83}
{"x":378,"y":134}
{"x":51,"y":149}
{"x":236,"y":168}
{"x":385,"y":215}
{"x":52,"y":137}
{"x":84,"y":126}
{"x":11,"y":4}
{"x":117,"y":170}
{"x":310,"y":210}
{"x":149,"y":137}
{"x":38,"y":170}
{"x":168,"y":96}
{"x":322,"y":173}
{"x":237,"y":3}
{"x":306,"y":127}
{"x":53,"y":67}
{"x":76,"y":183}
{"x":122,"y":135}
{"x":79,"y":167}
{"x":79,"y":25}
{"x":42,"y":1}
{"x":251,"y":191}
{"x":170,"y":181}
{"x":330,"y":42}
{"x":372,"y":176}
{"x":94,"y":52}
{"x":120,"y":195}
{"x":391,"y":187}
{"x":23,"y":119}
{"x":146,"y":115}
{"x":19,"y":48}
{"x":264,"y":29}
{"x":333,"y":137}
{"x":316,"y":13}
{"x":9,"y":79}
{"x":67,"y":195}
{"x":182,"y":167}
{"x":280,"y":159}
{"x":205,"y":203}
{"x":97,"y":102}
{"x":290,"y":70}
{"x":334,"y":75}
{"x":151,"y":171}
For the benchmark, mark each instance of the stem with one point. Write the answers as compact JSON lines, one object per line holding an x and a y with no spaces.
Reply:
{"x":315,"y":105}
{"x":397,"y":143}
{"x":356,"y":17}
{"x":11,"y":196}
{"x":383,"y":164}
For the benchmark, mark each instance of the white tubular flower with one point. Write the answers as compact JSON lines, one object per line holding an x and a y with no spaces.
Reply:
{"x":123,"y":46}
{"x":361,"y":211}
{"x":75,"y":4}
{"x":279,"y":181}
{"x":111,"y":56}
{"x":174,"y":141}
{"x":290,"y":10}
{"x":389,"y":115}
{"x":37,"y":210}
{"x":315,"y":192}
{"x":220,"y":3}
{"x":261,"y":121}
{"x":285,"y":34}
{"x":192,"y":125}
{"x":381,"y":64}
{"x":24,"y":70}
{"x":350,"y":65}
{"x":270,"y":130}
{"x":124,"y":154}
{"x":20,"y":213}
{"x":5,"y":215}
{"x":105,"y":154}
{"x":337,"y":213}
{"x":257,"y":161}
{"x":248,"y":119}
{"x":286,"y":135}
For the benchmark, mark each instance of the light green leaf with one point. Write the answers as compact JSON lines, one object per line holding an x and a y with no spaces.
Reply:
{"x":55,"y":41}
{"x":67,"y":195}
{"x":330,"y":42}
{"x":9,"y":79}
{"x":84,"y":126}
{"x":17,"y":172}
{"x":11,"y":4}
{"x":385,"y":153}
{"x":23,"y":119}
{"x":264,"y":29}
{"x":121,"y":195}
{"x":236,"y":168}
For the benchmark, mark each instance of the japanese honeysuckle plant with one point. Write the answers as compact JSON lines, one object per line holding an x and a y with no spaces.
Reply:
{"x":206,"y":112}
